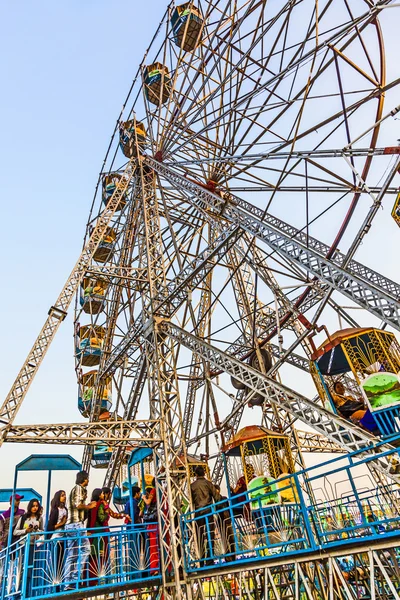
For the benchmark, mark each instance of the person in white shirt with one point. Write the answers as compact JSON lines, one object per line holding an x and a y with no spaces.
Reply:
{"x":31,"y":522}
{"x":78,"y":546}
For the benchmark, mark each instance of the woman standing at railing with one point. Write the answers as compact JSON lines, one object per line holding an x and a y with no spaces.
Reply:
{"x":97,"y":519}
{"x":150,"y":520}
{"x":31,"y":522}
{"x":55,"y":527}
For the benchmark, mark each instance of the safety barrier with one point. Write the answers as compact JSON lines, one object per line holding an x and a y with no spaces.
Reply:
{"x":115,"y":557}
{"x":299,"y":513}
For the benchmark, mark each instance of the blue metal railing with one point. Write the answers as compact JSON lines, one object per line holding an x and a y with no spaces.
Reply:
{"x":248,"y":530}
{"x":279,"y":517}
{"x":264,"y":522}
{"x":115,"y":557}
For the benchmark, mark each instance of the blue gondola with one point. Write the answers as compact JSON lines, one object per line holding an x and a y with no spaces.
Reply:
{"x":110,"y":184}
{"x":87,"y":390}
{"x":89,"y":347}
{"x":101,"y":456}
{"x":187,"y":26}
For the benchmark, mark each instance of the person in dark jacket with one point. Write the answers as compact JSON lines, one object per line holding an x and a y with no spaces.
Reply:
{"x":204,"y":493}
{"x":135,"y":514}
{"x":58,"y":514}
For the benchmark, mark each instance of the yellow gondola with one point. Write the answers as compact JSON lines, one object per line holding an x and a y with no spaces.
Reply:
{"x":258,"y":464}
{"x":132,"y":138}
{"x":193,"y":462}
{"x":92,"y":297}
{"x":105,"y":249}
{"x":157,"y":83}
{"x":396,"y":210}
{"x":358,"y":368}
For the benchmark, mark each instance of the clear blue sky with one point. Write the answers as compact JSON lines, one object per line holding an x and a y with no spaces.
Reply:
{"x":66,"y":67}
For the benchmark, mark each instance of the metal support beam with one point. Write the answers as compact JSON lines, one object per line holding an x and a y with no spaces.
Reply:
{"x":132,"y":405}
{"x":174,"y":293}
{"x":316,"y":442}
{"x":113,"y":433}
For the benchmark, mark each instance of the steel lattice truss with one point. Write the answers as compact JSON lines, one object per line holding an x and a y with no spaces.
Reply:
{"x":118,"y":434}
{"x":265,"y":148}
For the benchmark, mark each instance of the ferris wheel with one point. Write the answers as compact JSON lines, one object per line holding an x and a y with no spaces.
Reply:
{"x":250,"y":160}
{"x":253,"y":134}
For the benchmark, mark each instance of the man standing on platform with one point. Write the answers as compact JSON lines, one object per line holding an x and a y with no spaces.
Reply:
{"x":204,"y":493}
{"x":78,"y":545}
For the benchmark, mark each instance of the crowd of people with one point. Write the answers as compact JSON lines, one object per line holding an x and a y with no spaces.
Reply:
{"x":73,"y":521}
{"x":69,"y":515}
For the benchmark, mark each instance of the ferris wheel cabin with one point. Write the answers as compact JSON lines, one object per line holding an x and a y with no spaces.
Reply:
{"x":192,"y":462}
{"x":101,"y":456}
{"x":92,"y":293}
{"x":87,"y":394}
{"x":132,"y":138}
{"x":157,"y":83}
{"x":89,"y":347}
{"x":105,"y":249}
{"x":187,"y":26}
{"x":356,"y":372}
{"x":111,"y":183}
{"x":258,"y":464}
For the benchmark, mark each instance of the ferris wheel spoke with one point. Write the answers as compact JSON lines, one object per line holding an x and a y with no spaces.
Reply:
{"x":362,"y":22}
{"x":210,"y":55}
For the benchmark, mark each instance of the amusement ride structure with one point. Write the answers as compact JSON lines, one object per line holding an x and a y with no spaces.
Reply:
{"x":218,"y":275}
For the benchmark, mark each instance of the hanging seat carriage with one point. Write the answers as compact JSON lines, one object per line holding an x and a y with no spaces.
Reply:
{"x":110,"y":183}
{"x":105,"y":249}
{"x":157,"y":83}
{"x":359,"y":369}
{"x":187,"y":26}
{"x":92,"y":296}
{"x":101,"y":456}
{"x":396,"y":210}
{"x":132,"y":136}
{"x":89,"y":346}
{"x":87,"y":394}
{"x":258,"y":464}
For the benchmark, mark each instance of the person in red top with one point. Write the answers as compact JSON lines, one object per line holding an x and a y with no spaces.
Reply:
{"x":239,"y":492}
{"x":150,"y":520}
{"x":108,"y":509}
